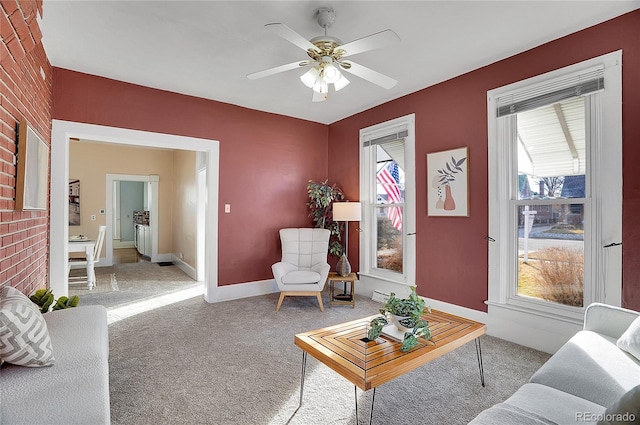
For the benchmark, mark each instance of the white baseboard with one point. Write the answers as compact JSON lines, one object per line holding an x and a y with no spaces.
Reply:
{"x":162,"y":257}
{"x":189,"y":271}
{"x":243,"y":290}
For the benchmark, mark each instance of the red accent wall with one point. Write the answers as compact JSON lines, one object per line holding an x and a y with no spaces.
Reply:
{"x":265,"y":159}
{"x":24,"y":95}
{"x":452,"y":254}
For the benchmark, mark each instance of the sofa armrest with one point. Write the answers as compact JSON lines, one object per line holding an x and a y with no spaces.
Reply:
{"x":608,"y":319}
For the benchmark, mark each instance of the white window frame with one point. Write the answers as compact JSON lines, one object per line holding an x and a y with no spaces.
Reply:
{"x":603,"y":266}
{"x":368,"y":199}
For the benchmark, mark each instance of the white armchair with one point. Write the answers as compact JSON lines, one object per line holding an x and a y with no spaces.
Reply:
{"x":303,"y":270}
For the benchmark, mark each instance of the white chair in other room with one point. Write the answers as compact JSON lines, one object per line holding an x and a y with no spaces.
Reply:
{"x":89,"y":263}
{"x":303,"y":270}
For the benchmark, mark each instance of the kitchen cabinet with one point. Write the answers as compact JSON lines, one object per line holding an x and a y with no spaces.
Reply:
{"x":143,"y":240}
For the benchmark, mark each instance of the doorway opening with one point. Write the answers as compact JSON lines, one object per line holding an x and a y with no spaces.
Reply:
{"x":63,"y":131}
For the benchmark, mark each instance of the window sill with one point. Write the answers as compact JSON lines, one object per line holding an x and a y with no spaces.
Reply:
{"x":385,"y":278}
{"x":548,"y":312}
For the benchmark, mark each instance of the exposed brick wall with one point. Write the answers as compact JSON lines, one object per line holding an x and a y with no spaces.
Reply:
{"x":24,"y":95}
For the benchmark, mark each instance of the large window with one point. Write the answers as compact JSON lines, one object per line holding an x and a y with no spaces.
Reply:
{"x":551,"y":202}
{"x":556,"y":189}
{"x":388,"y":196}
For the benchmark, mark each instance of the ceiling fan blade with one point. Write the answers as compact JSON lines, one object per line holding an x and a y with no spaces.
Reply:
{"x":369,"y":74}
{"x":277,"y":69}
{"x":370,"y":42}
{"x":290,"y":35}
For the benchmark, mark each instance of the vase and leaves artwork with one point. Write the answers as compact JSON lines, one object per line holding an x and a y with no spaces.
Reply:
{"x":447,"y":191}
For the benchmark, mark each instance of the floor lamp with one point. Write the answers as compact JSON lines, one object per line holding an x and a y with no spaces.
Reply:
{"x":346,"y":211}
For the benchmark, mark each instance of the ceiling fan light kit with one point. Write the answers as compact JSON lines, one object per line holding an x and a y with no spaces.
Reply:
{"x":327,"y":54}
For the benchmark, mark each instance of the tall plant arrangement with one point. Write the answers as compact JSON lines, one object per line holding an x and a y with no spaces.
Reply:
{"x":321,"y":198}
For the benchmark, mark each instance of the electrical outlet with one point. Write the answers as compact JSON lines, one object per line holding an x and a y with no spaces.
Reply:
{"x":93,"y":217}
{"x":101,"y":211}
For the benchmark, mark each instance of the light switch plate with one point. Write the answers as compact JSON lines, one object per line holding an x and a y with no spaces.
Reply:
{"x":227,"y":208}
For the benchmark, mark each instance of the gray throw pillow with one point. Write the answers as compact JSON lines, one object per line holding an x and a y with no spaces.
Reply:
{"x":24,"y":337}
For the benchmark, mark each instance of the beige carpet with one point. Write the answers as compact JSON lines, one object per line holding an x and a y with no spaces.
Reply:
{"x":235,"y":362}
{"x":131,"y":282}
{"x":106,"y":281}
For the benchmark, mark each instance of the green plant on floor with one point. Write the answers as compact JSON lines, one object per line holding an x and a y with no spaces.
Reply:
{"x":321,"y":198}
{"x":405,"y":314}
{"x":44,"y":298}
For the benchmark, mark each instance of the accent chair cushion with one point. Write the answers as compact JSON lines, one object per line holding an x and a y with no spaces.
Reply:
{"x":24,"y":338}
{"x":629,"y":341}
{"x":301,"y":276}
{"x":304,"y":247}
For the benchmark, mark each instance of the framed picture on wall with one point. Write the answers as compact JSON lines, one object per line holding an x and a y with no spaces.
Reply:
{"x":448,"y":183}
{"x":74,"y":202}
{"x":33,"y":170}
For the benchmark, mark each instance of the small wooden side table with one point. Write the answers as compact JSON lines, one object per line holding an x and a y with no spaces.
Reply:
{"x":347,"y":297}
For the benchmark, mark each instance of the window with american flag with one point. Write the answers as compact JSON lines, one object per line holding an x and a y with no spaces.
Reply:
{"x":389,"y":205}
{"x":387,"y":193}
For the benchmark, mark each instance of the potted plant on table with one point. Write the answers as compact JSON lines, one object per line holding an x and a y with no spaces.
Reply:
{"x":405,"y":314}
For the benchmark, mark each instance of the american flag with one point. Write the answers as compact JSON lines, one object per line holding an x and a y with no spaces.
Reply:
{"x":389,"y":178}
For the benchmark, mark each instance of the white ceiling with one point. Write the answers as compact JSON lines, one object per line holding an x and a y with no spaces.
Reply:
{"x":206,"y":48}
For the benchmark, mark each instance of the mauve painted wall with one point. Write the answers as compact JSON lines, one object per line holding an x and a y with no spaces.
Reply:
{"x":452,"y":253}
{"x":265,"y":159}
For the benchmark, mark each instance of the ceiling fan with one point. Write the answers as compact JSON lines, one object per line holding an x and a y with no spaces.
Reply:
{"x":327,"y":57}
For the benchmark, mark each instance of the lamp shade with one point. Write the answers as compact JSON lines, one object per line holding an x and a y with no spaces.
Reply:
{"x":347,"y":211}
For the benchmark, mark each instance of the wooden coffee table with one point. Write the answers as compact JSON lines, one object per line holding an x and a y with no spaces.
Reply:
{"x":369,"y":364}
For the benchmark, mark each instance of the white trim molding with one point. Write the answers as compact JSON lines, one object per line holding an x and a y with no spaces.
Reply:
{"x":62,"y":131}
{"x":533,"y":322}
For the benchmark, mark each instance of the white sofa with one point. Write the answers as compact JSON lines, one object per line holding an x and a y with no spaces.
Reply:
{"x":75,"y":390}
{"x":588,"y":380}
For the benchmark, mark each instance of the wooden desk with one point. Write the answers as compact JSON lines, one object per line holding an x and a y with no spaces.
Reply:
{"x":369,"y":364}
{"x":347,"y":297}
{"x":87,"y":246}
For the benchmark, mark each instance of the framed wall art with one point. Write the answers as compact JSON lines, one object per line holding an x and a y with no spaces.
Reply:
{"x":74,"y":202}
{"x":448,"y":183}
{"x":33,"y":170}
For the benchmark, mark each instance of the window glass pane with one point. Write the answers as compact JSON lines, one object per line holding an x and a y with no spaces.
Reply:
{"x":389,"y":239}
{"x":551,"y":151}
{"x":551,"y":253}
{"x":390,"y":177}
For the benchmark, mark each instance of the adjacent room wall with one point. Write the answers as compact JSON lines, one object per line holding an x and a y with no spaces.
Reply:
{"x":118,"y":159}
{"x":25,"y":91}
{"x":185,"y":207}
{"x":265,"y":159}
{"x":452,"y":252}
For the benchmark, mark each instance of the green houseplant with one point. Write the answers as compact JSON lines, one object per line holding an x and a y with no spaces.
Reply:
{"x":405,"y":314}
{"x":44,"y":298}
{"x":321,"y":197}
